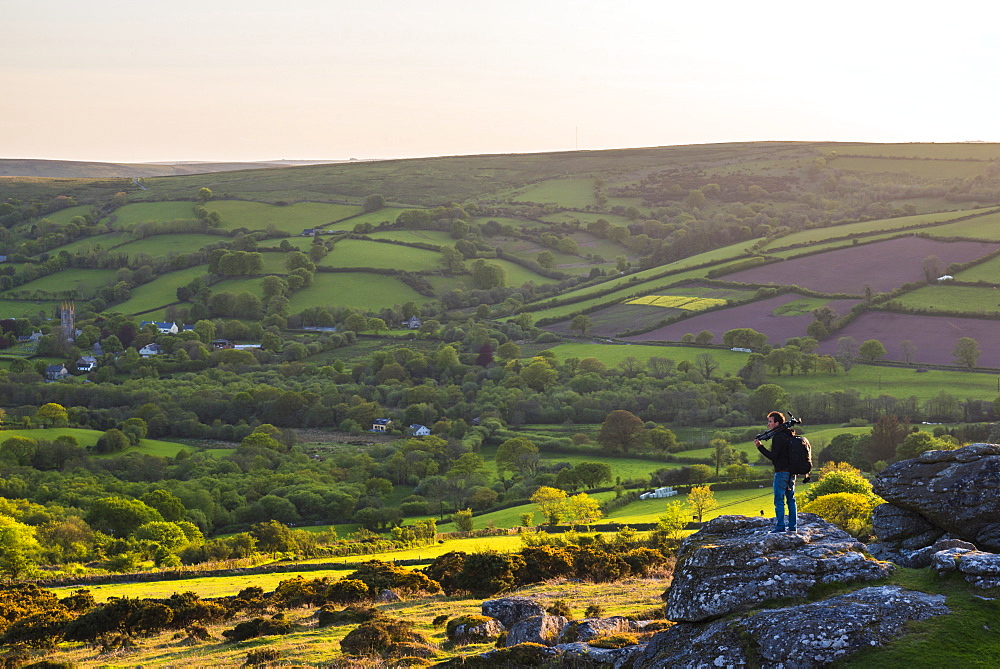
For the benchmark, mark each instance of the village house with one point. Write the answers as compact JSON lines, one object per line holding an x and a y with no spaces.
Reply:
{"x":56,"y":372}
{"x":86,"y":364}
{"x":418,"y":430}
{"x":164,"y":328}
{"x":412,"y":323}
{"x":381,"y":425}
{"x":149,"y":350}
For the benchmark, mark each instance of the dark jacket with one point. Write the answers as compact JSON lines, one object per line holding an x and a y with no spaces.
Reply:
{"x":778,"y":455}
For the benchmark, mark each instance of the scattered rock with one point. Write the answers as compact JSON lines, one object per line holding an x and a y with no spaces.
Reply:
{"x":734,"y":563}
{"x":509,"y":610}
{"x":591,"y":628}
{"x":813,"y":634}
{"x":474,"y":629}
{"x":588,"y":655}
{"x":537,"y":629}
{"x":939,"y":492}
{"x":981,"y":569}
{"x":388,"y":597}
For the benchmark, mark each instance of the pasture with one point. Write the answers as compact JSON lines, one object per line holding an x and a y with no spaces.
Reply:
{"x":27,"y":308}
{"x":354,"y":289}
{"x":63,"y":216}
{"x":981,"y":227}
{"x":363,"y":253}
{"x":613,"y":354}
{"x":81,"y":282}
{"x":250,"y":285}
{"x":864,"y":228}
{"x":986,"y":271}
{"x":945,"y":151}
{"x":88,"y":438}
{"x":292,"y":218}
{"x":973,"y":300}
{"x":172,"y":244}
{"x":130,"y":215}
{"x":518,"y":275}
{"x":105,"y":241}
{"x":929,"y":169}
{"x":438,"y":237}
{"x":161,"y":292}
{"x":570,"y":193}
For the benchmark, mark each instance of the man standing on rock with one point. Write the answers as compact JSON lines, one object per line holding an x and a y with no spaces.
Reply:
{"x":784,"y":481}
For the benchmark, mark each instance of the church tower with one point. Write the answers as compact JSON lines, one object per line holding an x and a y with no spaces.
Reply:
{"x":67,"y":321}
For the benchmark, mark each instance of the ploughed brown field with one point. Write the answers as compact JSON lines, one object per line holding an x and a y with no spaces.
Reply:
{"x":882,"y":265}
{"x":757,"y":315}
{"x":933,"y":336}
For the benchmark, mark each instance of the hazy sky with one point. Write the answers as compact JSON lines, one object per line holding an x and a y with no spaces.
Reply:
{"x":152,"y":80}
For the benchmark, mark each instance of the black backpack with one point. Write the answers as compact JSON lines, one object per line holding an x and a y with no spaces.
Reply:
{"x":799,"y":455}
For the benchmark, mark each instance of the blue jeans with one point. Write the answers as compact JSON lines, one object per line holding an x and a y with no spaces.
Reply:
{"x":784,"y":491}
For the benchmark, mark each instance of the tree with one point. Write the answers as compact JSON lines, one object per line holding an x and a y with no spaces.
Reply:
{"x":663,"y":440}
{"x":463,"y":520}
{"x":916,"y":443}
{"x":517,"y":455}
{"x":203,"y":195}
{"x":581,"y":322}
{"x":488,"y":275}
{"x":722,"y":453}
{"x":700,"y":500}
{"x":119,"y":516}
{"x":168,"y":504}
{"x":706,"y":364}
{"x":887,"y":434}
{"x":704,"y":338}
{"x":621,"y":430}
{"x":908,"y":349}
{"x":966,"y":352}
{"x":546,"y":259}
{"x":373,"y":203}
{"x":582,"y":509}
{"x":744,"y":338}
{"x":550,"y":501}
{"x":872,"y":350}
{"x":112,"y":441}
{"x":931,"y":266}
{"x":18,"y":450}
{"x":52,"y":414}
{"x":592,"y":474}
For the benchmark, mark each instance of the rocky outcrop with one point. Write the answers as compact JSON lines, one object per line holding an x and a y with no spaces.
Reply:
{"x":949,"y":494}
{"x":808,"y":635}
{"x":508,"y":610}
{"x":591,"y":628}
{"x":734,"y":563}
{"x":980,"y":569}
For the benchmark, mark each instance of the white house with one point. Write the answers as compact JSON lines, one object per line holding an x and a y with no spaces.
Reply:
{"x":381,"y":425}
{"x":412,"y":323}
{"x":87,"y":363}
{"x":149,"y":350}
{"x":164,"y":328}
{"x":418,"y":430}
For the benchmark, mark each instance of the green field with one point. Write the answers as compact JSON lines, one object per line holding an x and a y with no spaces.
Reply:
{"x":981,"y":227}
{"x":165,"y":245}
{"x":250,"y":285}
{"x":972,"y":300}
{"x":438,"y":237}
{"x":985,"y":271}
{"x":956,"y":169}
{"x":354,"y":289}
{"x":901,"y":382}
{"x":362,"y":253}
{"x":27,"y":308}
{"x":816,"y":235}
{"x":63,"y":216}
{"x":87,"y":438}
{"x":292,"y":219}
{"x":386,"y":215}
{"x":571,"y":193}
{"x":82,"y":281}
{"x":161,"y":292}
{"x":585,"y":217}
{"x":518,"y":275}
{"x":612,"y":354}
{"x":129,"y":215}
{"x":106,"y":241}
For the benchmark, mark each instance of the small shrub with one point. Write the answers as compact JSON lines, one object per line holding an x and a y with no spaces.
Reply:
{"x":440,"y":620}
{"x":252,"y":629}
{"x":262,"y":656}
{"x":381,"y":636}
{"x":559,"y":608}
{"x":594,"y":611}
{"x":327,"y":617}
{"x":348,"y":591}
{"x":619,"y":640}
